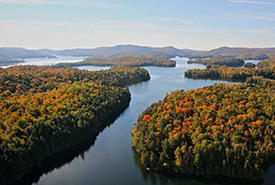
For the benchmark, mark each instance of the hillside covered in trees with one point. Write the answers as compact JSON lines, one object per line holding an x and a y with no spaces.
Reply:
{"x":46,"y":110}
{"x":220,"y":130}
{"x":242,"y":53}
{"x":230,"y":62}
{"x":266,"y":63}
{"x":129,"y":61}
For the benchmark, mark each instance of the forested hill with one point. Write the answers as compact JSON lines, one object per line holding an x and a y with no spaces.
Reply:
{"x":15,"y":53}
{"x":45,"y":110}
{"x":243,"y":53}
{"x":121,"y":61}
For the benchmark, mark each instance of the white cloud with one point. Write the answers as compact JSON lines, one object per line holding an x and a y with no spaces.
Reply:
{"x":252,"y":2}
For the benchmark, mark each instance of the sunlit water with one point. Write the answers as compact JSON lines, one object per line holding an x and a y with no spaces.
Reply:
{"x":111,"y":160}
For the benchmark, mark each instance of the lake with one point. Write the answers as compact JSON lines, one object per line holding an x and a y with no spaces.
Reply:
{"x":110,"y":159}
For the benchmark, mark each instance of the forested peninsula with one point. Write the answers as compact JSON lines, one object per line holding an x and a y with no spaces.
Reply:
{"x":46,"y":110}
{"x":130,"y":61}
{"x":220,"y":130}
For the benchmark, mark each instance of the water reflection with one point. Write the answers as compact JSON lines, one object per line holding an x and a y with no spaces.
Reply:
{"x":59,"y":159}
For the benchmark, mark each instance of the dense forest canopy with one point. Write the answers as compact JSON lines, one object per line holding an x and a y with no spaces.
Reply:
{"x":45,"y":110}
{"x":213,"y":131}
{"x":231,"y":62}
{"x":231,"y":74}
{"x":260,"y":81}
{"x":266,"y":63}
{"x":249,"y":65}
{"x":253,"y":56}
{"x":121,"y":61}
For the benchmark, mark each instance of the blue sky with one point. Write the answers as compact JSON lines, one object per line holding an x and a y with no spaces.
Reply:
{"x":193,"y":24}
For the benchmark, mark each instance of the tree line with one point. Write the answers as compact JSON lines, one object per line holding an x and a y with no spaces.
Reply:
{"x":231,"y":74}
{"x":131,"y":61}
{"x":231,"y":62}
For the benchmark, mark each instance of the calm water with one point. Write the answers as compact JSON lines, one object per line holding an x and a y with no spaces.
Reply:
{"x":110,"y":160}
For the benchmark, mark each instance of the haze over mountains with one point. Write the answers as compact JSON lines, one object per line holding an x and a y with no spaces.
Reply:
{"x":134,"y":50}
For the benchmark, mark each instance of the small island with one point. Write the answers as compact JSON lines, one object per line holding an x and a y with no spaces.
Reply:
{"x":46,"y":110}
{"x":249,"y":65}
{"x":220,"y":130}
{"x":130,"y":61}
{"x":230,"y":62}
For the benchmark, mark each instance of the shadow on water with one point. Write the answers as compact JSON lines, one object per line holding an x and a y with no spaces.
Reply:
{"x":59,"y":159}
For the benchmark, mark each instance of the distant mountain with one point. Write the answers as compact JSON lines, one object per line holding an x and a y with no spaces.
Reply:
{"x":238,"y":52}
{"x":143,"y":51}
{"x":19,"y":53}
{"x":46,"y":51}
{"x":123,"y":50}
{"x":7,"y":62}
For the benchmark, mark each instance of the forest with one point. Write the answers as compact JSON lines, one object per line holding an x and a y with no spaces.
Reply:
{"x":230,"y":74}
{"x":253,"y":56}
{"x":219,"y":130}
{"x":240,"y":52}
{"x":130,"y":61}
{"x":266,"y":63}
{"x":249,"y":65}
{"x":46,"y":110}
{"x":230,"y":62}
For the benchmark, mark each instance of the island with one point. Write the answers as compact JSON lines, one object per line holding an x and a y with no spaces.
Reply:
{"x":249,"y":65}
{"x":216,"y":131}
{"x":130,"y":61}
{"x":46,"y":110}
{"x":230,"y":62}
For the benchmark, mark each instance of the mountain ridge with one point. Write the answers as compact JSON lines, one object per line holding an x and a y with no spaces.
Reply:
{"x":135,"y":50}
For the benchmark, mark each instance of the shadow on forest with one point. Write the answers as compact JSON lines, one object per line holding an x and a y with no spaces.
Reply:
{"x":165,"y":177}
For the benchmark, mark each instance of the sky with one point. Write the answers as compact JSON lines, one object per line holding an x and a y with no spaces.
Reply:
{"x":192,"y":24}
